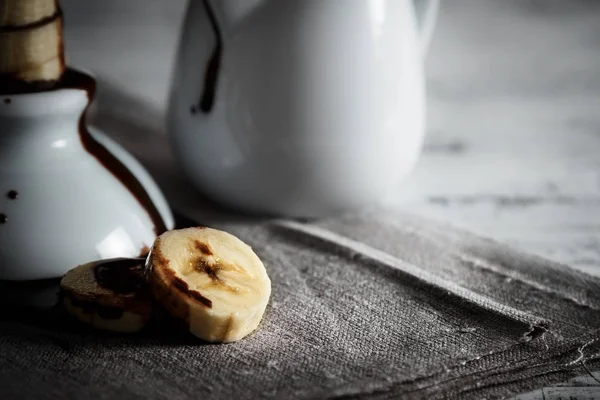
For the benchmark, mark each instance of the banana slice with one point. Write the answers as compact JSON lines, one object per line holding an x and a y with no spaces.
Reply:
{"x":111,"y":295}
{"x":31,"y":45}
{"x":26,"y":12}
{"x":211,"y":280}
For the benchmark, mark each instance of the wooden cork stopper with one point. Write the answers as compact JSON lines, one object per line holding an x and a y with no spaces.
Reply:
{"x":31,"y":45}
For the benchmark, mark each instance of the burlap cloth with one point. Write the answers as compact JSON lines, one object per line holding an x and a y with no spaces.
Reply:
{"x":373,"y":306}
{"x":380,"y":305}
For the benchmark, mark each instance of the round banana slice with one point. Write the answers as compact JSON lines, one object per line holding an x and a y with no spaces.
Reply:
{"x":111,"y":294}
{"x":211,"y":280}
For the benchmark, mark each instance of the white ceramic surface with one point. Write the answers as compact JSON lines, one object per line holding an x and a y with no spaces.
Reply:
{"x":319,"y":105}
{"x":70,"y":209}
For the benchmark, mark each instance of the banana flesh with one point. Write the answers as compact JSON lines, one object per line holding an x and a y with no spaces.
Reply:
{"x":207,"y":278}
{"x":110,"y":295}
{"x":31,"y":44}
{"x":211,"y":280}
{"x":25,"y":12}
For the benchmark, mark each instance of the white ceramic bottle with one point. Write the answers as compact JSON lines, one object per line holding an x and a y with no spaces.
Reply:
{"x":68,"y":194}
{"x":300,"y":108}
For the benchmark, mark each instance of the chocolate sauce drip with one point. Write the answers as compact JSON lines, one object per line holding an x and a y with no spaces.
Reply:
{"x":13,"y":194}
{"x":33,"y":25}
{"x":144,"y":251}
{"x":78,"y":80}
{"x":213,"y":67}
{"x":3,"y":218}
{"x":121,"y":276}
{"x":12,"y":85}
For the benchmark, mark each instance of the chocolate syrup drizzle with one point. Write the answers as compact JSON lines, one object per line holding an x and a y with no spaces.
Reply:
{"x":122,"y":275}
{"x":33,"y":25}
{"x":213,"y":67}
{"x":73,"y":79}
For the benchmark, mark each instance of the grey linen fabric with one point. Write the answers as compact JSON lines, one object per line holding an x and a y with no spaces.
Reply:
{"x":374,"y":306}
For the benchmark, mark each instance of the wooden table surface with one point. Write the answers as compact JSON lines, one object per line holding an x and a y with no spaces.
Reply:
{"x":513,"y":143}
{"x":513,"y":147}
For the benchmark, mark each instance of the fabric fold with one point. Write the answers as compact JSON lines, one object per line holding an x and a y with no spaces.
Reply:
{"x":532,"y":326}
{"x":361,"y":307}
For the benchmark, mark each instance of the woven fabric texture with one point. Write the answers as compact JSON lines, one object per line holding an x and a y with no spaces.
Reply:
{"x":380,"y":305}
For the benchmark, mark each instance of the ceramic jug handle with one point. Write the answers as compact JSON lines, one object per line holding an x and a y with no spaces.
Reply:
{"x":426,"y":14}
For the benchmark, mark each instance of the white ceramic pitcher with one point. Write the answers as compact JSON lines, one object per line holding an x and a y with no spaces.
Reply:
{"x":68,"y":193}
{"x":300,"y":108}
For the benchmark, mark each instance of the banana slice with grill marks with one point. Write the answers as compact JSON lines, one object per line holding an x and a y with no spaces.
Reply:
{"x":111,"y":295}
{"x":211,"y":280}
